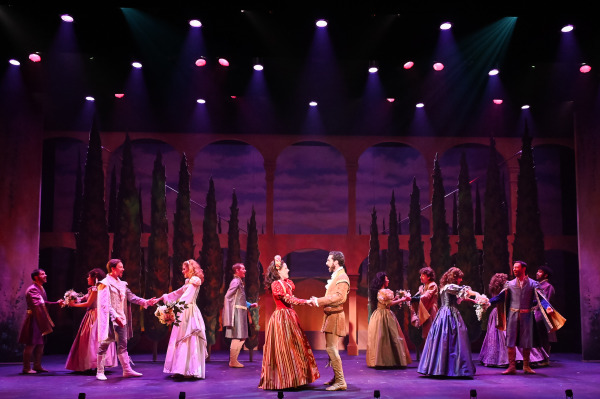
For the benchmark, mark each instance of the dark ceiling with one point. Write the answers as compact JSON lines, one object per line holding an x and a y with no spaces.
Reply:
{"x":93,"y":57}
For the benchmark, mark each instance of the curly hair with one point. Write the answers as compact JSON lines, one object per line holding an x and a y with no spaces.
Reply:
{"x":376,"y":285}
{"x":194,"y":268}
{"x":451,"y":276}
{"x":339,"y":256}
{"x":272,"y":275}
{"x":428,"y":271}
{"x":97,"y":274}
{"x":497,"y":283}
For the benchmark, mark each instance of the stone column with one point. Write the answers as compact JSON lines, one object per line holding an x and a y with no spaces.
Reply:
{"x":353,"y":316}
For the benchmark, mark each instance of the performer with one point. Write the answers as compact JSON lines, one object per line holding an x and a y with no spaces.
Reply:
{"x":386,"y":346}
{"x":542,"y":275}
{"x":235,"y":314}
{"x":37,"y":323}
{"x":334,"y":321}
{"x":84,"y":351}
{"x":447,"y":350}
{"x":186,"y":353}
{"x":425,"y":303}
{"x":520,"y":296}
{"x":288,"y":360}
{"x":493,"y":351}
{"x":114,"y":317}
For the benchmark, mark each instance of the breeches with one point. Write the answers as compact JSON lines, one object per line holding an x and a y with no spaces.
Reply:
{"x":331,"y":346}
{"x":115,"y":334}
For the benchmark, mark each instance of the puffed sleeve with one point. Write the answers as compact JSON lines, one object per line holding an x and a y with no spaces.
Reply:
{"x":286,"y":296}
{"x":195,"y":280}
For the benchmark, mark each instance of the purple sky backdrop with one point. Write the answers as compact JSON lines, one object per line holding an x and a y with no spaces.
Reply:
{"x":310,"y":183}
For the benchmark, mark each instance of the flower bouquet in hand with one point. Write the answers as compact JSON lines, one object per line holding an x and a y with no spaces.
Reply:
{"x":169,"y":312}
{"x":70,"y":297}
{"x":482,"y":303}
{"x":403,"y":294}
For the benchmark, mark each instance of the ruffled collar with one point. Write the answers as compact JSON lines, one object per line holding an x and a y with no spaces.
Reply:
{"x":333,"y":276}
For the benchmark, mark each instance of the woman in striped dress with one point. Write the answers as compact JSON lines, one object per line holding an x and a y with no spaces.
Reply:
{"x":288,"y":361}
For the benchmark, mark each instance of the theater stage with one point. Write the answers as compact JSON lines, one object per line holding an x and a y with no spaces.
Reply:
{"x":567,"y":371}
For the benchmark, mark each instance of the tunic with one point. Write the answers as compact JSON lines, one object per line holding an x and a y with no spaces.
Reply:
{"x":235,"y":310}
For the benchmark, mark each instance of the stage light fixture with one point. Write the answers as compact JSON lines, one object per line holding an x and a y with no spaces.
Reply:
{"x":258,"y":67}
{"x":390,"y":99}
{"x":201,"y":101}
{"x":493,"y":72}
{"x":119,"y":95}
{"x":90,"y":98}
{"x":526,"y":106}
{"x":497,"y":101}
{"x":567,"y":28}
{"x":438,"y":66}
{"x":445,"y":26}
{"x":136,"y":64}
{"x":321,"y":23}
{"x":33,"y":57}
{"x":585,"y":68}
{"x":420,"y":105}
{"x":66,"y":18}
{"x":376,"y":393}
{"x":194,"y":23}
{"x":408,"y":64}
{"x":200,"y":62}
{"x":312,"y":103}
{"x":569,"y":394}
{"x":14,"y":62}
{"x":233,"y":97}
{"x":473,"y":394}
{"x":223,"y":62}
{"x":373,"y":68}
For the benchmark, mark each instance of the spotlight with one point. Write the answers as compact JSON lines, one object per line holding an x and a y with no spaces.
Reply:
{"x":438,"y":66}
{"x":223,"y":62}
{"x":390,"y":99}
{"x":473,"y":393}
{"x":119,"y":95}
{"x":66,"y":18}
{"x":445,"y":26}
{"x":525,"y":106}
{"x":194,"y":23}
{"x":585,"y":68}
{"x":567,"y":28}
{"x":493,"y":72}
{"x":373,"y":67}
{"x":312,"y":103}
{"x":233,"y":97}
{"x":321,"y":23}
{"x":136,"y":64}
{"x":569,"y":394}
{"x":408,"y":64}
{"x":33,"y":57}
{"x":201,"y":101}
{"x":258,"y":67}
{"x":14,"y":62}
{"x":497,"y":101}
{"x":420,"y":105}
{"x":200,"y":62}
{"x":90,"y":98}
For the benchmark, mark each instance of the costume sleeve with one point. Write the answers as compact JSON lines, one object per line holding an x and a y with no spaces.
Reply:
{"x":174,"y":295}
{"x":498,"y":298}
{"x":286,"y":296}
{"x":233,"y":287}
{"x":429,"y":296}
{"x":131,"y":297}
{"x":338,"y":296}
{"x":385,"y":296}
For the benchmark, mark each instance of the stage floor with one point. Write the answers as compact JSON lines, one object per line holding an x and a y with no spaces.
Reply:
{"x":566,"y":371}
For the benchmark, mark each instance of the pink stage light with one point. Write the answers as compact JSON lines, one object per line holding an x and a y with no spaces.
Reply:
{"x":438,"y":66}
{"x":234,"y":97}
{"x":194,"y":23}
{"x":497,"y":101}
{"x":119,"y":95}
{"x":14,"y":62}
{"x":200,"y":62}
{"x":321,"y":23}
{"x":223,"y":62}
{"x":390,"y":99}
{"x":66,"y":18}
{"x":585,"y":68}
{"x":409,"y":65}
{"x":35,"y":57}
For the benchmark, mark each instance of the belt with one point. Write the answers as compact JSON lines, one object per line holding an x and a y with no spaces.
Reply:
{"x":521,"y":310}
{"x":29,"y":311}
{"x":240,"y":307}
{"x":329,"y":310}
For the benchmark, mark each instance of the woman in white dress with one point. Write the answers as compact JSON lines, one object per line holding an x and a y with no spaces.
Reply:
{"x":186,"y":353}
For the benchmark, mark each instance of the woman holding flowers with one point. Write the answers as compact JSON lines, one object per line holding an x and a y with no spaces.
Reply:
{"x":186,"y":353}
{"x":386,"y":346}
{"x":84,"y":351}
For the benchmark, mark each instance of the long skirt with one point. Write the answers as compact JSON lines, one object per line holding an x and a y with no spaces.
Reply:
{"x":386,"y":346}
{"x":84,"y":351}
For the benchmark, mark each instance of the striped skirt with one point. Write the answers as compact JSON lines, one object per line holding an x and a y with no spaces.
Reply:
{"x":288,"y":361}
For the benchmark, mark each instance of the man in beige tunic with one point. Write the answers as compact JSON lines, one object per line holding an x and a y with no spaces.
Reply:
{"x":334,"y":322}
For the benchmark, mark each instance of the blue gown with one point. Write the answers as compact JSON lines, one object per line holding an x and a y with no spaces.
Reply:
{"x":447,"y":350}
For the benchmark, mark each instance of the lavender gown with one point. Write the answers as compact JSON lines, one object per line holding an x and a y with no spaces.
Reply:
{"x":447,"y":350}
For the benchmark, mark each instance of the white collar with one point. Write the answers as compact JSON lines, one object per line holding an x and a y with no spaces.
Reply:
{"x":333,"y":276}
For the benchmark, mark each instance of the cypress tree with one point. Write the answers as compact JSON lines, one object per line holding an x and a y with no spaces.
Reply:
{"x":374,"y":264}
{"x":92,"y":240}
{"x":394,"y":264}
{"x":183,"y":236}
{"x":528,"y":245}
{"x":157,"y":278}
{"x":211,"y":258}
{"x":233,"y":240}
{"x":495,"y":242}
{"x":478,"y":224}
{"x":126,"y":244}
{"x":416,"y":254}
{"x":440,"y":242}
{"x":454,"y":215}
{"x":253,"y":281}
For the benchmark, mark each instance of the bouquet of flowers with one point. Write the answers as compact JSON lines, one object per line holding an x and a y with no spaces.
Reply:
{"x":169,"y":313}
{"x":482,"y":303}
{"x":402,"y":293}
{"x":71,"y":296}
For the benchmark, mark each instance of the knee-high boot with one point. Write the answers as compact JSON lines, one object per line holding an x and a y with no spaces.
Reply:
{"x":27,"y":352}
{"x":338,"y":371}
{"x":234,"y":352}
{"x":512,"y":362}
{"x":526,"y":366}
{"x":100,"y":368}
{"x":126,"y":364}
